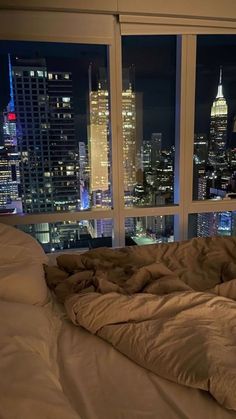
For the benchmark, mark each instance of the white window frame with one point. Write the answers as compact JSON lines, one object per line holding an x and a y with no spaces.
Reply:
{"x":26,"y":25}
{"x":186,"y":30}
{"x":106,"y":30}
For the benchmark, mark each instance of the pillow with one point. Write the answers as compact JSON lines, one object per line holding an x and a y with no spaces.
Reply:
{"x":16,"y":246}
{"x":24,"y":283}
{"x":21,"y":267}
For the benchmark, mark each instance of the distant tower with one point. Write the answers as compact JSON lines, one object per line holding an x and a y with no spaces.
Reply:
{"x":200,"y":149}
{"x":218,"y":127}
{"x":129,"y":119}
{"x":156,"y":140}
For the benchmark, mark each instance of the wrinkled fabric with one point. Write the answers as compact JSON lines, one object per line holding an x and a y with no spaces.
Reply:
{"x":167,"y":307}
{"x":187,"y":337}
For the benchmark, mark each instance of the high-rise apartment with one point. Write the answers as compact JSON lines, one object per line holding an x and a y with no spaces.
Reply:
{"x":47,"y":143}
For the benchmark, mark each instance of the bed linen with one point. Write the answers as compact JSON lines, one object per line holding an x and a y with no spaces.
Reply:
{"x":50,"y":369}
{"x":153,"y":314}
{"x":30,"y":385}
{"x":101,"y":383}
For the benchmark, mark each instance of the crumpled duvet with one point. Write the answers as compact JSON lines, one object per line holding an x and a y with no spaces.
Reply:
{"x":154,"y":315}
{"x":186,"y":337}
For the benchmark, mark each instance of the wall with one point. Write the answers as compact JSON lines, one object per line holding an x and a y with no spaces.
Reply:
{"x":225,"y":9}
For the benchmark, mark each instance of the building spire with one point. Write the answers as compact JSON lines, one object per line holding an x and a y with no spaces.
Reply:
{"x":11,"y":103}
{"x":220,"y":88}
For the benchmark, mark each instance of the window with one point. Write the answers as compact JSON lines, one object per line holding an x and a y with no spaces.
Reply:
{"x":210,"y":224}
{"x":215,"y":117}
{"x":148,"y":116}
{"x":134,"y":140}
{"x":149,"y":230}
{"x":84,"y":234}
{"x":40,"y":73}
{"x":87,"y":161}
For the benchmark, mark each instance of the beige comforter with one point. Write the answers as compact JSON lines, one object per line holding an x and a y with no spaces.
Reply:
{"x":148,"y":306}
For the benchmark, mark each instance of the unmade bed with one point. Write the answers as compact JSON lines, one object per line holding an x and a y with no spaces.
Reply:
{"x":51,"y":368}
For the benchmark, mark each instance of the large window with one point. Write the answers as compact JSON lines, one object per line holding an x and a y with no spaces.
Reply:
{"x":215,"y":117}
{"x":55,"y":150}
{"x":148,"y":117}
{"x":117,"y":132}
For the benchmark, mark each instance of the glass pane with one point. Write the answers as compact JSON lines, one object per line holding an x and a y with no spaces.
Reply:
{"x":215,"y":117}
{"x":148,"y":112}
{"x":212,"y":224}
{"x":148,"y":230}
{"x":55,"y":145}
{"x":86,"y":234}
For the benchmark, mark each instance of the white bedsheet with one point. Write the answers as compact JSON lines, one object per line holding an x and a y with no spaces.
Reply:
{"x":51,"y":369}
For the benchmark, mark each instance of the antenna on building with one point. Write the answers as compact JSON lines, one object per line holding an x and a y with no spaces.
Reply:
{"x":11,"y":104}
{"x":220,"y":88}
{"x":220,"y":81}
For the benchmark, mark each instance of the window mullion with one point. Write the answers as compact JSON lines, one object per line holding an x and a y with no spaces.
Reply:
{"x":187,"y":48}
{"x":117,"y":138}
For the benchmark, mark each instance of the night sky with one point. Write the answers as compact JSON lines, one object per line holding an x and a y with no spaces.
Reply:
{"x":154,"y":62}
{"x":214,"y":51}
{"x":59,"y":57}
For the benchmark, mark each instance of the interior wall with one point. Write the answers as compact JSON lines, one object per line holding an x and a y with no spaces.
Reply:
{"x":219,"y":9}
{"x":225,"y":9}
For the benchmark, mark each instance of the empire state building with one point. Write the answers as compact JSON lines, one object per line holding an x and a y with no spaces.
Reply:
{"x":218,"y":128}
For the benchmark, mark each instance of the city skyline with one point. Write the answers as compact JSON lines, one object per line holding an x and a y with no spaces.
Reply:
{"x":64,"y":167}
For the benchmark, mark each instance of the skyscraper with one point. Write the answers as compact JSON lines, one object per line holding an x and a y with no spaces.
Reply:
{"x":98,"y":136}
{"x":129,"y":134}
{"x":99,"y":139}
{"x":9,"y":158}
{"x":200,"y":149}
{"x":47,"y":144}
{"x":156,"y":140}
{"x":218,"y":128}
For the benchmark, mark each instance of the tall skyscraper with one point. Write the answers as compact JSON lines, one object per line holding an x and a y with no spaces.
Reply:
{"x":99,"y":139}
{"x":48,"y":149}
{"x":218,"y":128}
{"x":98,"y":135}
{"x":129,"y":134}
{"x":9,"y":158}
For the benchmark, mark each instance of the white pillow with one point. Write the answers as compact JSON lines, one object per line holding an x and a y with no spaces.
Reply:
{"x":23,"y":283}
{"x":16,"y":246}
{"x":21,"y":267}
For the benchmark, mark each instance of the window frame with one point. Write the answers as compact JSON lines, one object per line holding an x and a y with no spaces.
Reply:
{"x":186,"y":29}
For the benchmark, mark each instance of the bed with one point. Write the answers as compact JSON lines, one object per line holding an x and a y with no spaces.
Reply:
{"x":51,"y":368}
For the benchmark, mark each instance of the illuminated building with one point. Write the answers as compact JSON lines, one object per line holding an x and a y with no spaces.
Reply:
{"x":200,"y":149}
{"x":156,"y":141}
{"x":84,"y":176}
{"x":9,"y":159}
{"x":47,"y":144}
{"x":218,"y":128}
{"x":99,"y":137}
{"x":129,"y":138}
{"x":98,"y":134}
{"x":146,"y":155}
